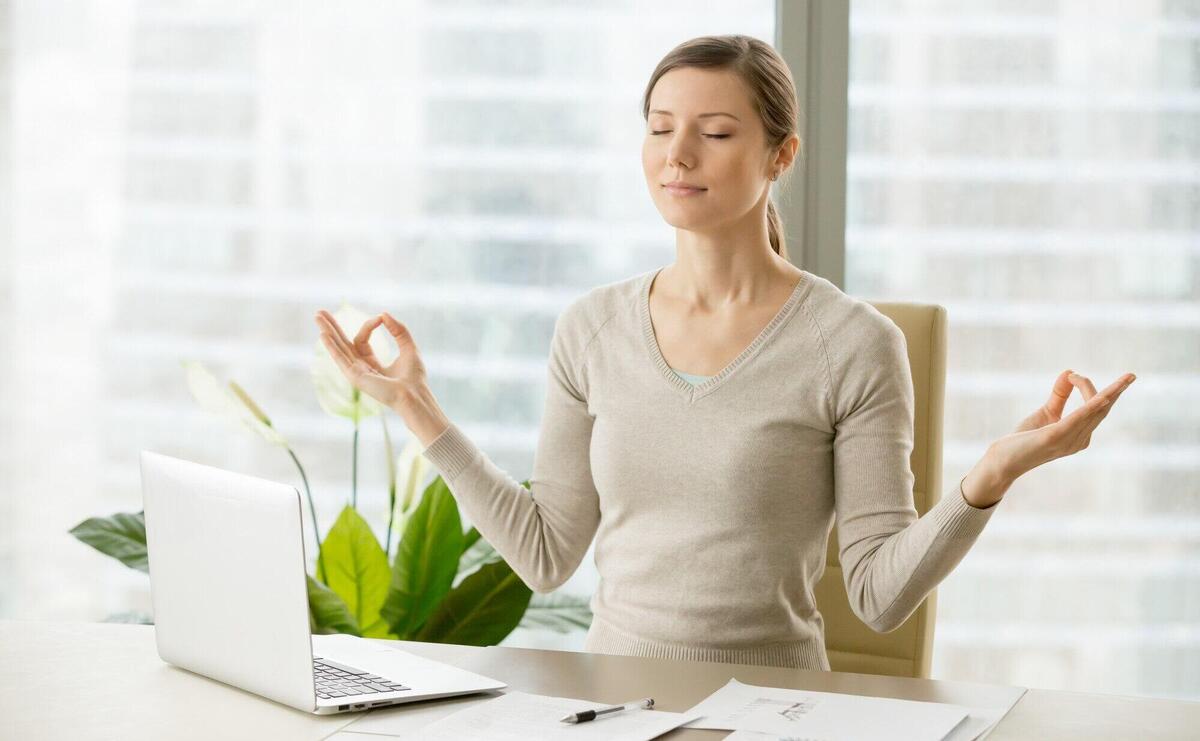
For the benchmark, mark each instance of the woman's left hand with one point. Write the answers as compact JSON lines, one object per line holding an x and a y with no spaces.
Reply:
{"x":1046,"y":435}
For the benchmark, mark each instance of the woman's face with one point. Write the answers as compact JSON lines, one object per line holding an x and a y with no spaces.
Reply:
{"x":726,"y":155}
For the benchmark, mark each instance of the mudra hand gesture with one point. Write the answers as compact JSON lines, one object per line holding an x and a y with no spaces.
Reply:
{"x":1046,"y":435}
{"x":401,"y":385}
{"x":358,"y":362}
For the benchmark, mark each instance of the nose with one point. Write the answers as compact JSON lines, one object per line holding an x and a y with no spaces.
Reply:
{"x":677,"y":154}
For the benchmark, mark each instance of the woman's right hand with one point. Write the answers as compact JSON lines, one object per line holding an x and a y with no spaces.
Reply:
{"x":394,"y":385}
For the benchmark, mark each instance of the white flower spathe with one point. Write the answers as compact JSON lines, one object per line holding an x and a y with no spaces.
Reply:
{"x":226,"y":403}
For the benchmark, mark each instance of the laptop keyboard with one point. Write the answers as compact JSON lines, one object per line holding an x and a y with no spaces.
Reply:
{"x":338,"y":680}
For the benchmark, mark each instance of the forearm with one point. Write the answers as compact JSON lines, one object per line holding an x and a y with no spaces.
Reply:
{"x":542,"y":532}
{"x":986,"y":483}
{"x":889,"y":570}
{"x":422,"y":414}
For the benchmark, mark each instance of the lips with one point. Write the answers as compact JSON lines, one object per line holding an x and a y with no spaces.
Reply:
{"x":679,"y":189}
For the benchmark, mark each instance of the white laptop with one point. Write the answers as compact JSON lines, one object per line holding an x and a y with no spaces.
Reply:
{"x":228,"y":583}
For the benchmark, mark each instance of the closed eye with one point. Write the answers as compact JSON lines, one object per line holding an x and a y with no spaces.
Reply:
{"x":710,"y":136}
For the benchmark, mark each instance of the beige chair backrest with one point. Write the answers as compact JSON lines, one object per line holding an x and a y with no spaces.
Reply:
{"x":908,"y":650}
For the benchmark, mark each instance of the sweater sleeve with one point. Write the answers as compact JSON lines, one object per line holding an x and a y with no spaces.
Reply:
{"x":542,"y":532}
{"x":891,"y":559}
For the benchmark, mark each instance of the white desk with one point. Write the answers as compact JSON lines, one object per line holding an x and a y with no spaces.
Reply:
{"x":112,"y":685}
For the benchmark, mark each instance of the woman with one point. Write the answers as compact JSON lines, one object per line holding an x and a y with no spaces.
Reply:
{"x":708,"y":422}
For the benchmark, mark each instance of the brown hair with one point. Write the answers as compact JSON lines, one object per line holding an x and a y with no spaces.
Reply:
{"x":769,"y":80}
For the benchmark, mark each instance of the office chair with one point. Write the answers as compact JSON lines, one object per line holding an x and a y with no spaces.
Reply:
{"x":908,"y":650}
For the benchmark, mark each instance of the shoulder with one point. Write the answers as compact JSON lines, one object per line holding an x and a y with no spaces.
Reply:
{"x":847,"y":322}
{"x":588,"y":314}
{"x":864,"y":349}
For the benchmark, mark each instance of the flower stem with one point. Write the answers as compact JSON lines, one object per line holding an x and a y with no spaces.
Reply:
{"x":354,"y":471}
{"x":387,"y":443}
{"x":354,"y":456}
{"x":313,"y":511}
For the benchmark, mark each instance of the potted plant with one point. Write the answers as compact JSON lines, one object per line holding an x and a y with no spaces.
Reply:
{"x":437,"y":584}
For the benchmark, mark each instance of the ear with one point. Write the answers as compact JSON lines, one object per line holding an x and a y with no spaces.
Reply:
{"x":787,"y":152}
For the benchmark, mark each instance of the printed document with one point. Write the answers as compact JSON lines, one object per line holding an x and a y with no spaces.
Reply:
{"x":805,"y":715}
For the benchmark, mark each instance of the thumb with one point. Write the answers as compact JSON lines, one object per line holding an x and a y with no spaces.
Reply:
{"x":1060,"y":393}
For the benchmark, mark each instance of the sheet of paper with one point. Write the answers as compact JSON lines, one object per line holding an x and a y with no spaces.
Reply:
{"x":406,"y":719}
{"x":519,"y":716}
{"x":978,"y":726}
{"x":983,"y":720}
{"x":805,"y":715}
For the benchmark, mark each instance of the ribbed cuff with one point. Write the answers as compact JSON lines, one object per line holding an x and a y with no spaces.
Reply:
{"x":956,"y":516}
{"x":451,"y":452}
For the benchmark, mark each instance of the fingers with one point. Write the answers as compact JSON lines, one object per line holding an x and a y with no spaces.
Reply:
{"x":1095,"y":402}
{"x":343,"y":359}
{"x":1061,"y":392}
{"x":1087,"y":390}
{"x":1114,"y":389}
{"x":326,"y":320}
{"x":362,"y":342}
{"x":1085,"y":385}
{"x":1076,"y":419}
{"x":1112,"y":393}
{"x":398,"y":330}
{"x":338,"y":346}
{"x":358,"y":372}
{"x":1081,"y":435}
{"x":1084,"y":420}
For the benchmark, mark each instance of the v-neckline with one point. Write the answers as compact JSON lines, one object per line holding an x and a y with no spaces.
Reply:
{"x":695,"y":391}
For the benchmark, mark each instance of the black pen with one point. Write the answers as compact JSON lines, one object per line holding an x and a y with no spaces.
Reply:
{"x":586,"y":715}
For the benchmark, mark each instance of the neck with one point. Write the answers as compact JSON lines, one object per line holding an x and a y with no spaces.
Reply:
{"x":711,"y":279}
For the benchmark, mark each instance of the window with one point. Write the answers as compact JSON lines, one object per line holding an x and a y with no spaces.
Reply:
{"x":1032,"y":166}
{"x":192,"y":180}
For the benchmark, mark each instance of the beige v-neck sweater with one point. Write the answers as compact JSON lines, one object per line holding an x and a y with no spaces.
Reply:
{"x":711,"y":504}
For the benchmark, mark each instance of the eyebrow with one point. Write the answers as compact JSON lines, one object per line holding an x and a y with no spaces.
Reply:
{"x":702,"y":115}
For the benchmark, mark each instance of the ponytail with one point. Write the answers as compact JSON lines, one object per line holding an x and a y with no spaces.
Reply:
{"x":775,"y":230}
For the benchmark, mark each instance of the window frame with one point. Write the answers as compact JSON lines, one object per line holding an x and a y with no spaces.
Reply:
{"x":813,"y":37}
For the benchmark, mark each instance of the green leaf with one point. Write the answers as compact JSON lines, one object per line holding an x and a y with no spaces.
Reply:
{"x":122,"y":536}
{"x":481,"y":611}
{"x":327,"y":613}
{"x":476,"y":552}
{"x":557,"y":611}
{"x":470,"y":538}
{"x":479,"y":553}
{"x":426,"y":560}
{"x":356,"y":568}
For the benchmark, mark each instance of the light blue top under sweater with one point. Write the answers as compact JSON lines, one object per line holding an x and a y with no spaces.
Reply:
{"x":691,"y":378}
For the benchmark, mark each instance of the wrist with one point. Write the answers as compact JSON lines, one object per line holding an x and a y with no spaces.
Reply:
{"x":986,"y":483}
{"x":421,"y":414}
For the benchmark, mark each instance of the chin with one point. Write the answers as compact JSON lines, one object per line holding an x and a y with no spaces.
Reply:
{"x":691,"y":225}
{"x":686,"y":216}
